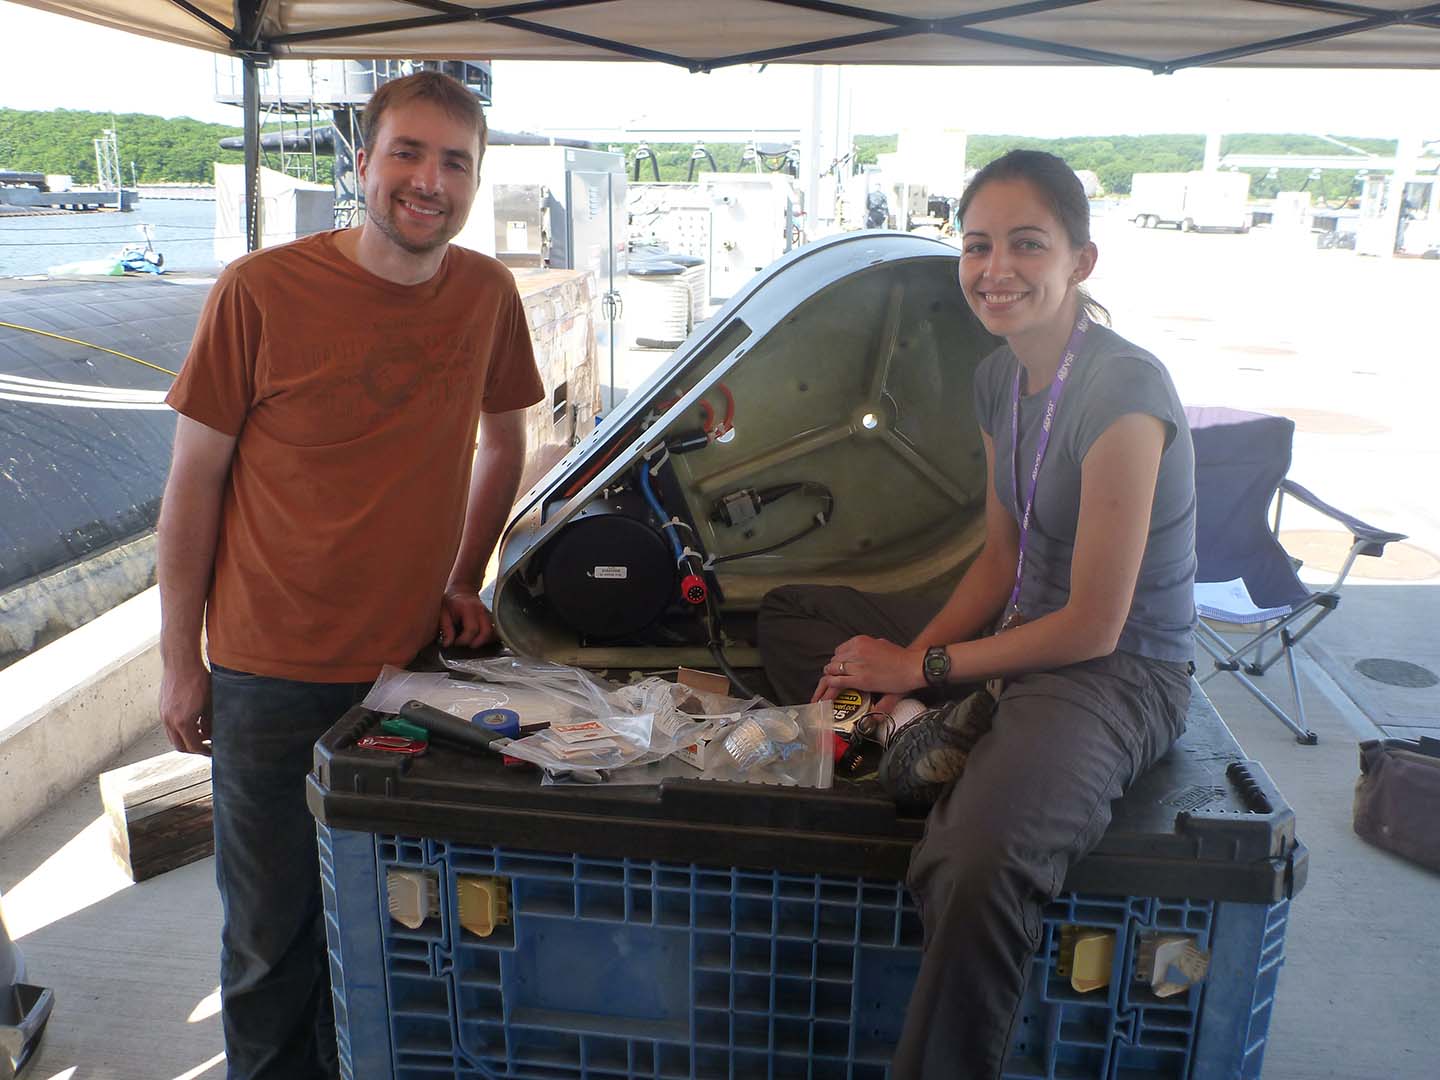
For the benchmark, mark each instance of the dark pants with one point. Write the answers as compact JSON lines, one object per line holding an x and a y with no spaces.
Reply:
{"x":1034,"y":799}
{"x":800,"y":627}
{"x":274,"y":976}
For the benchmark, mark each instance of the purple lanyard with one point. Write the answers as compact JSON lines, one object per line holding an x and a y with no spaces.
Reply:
{"x":1057,"y":388}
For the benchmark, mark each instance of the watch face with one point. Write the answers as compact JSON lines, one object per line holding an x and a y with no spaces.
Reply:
{"x":937,"y":662}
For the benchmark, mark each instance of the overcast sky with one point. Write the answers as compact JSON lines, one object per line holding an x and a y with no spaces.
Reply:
{"x":103,"y":69}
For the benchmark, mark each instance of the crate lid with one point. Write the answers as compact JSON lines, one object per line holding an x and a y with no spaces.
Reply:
{"x":1204,"y":823}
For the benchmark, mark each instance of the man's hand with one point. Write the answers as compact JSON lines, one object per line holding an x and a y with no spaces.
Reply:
{"x":464,"y":620}
{"x":185,"y":706}
{"x":874,"y":664}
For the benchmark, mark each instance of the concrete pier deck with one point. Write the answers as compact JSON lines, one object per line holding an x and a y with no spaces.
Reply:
{"x":1346,"y":346}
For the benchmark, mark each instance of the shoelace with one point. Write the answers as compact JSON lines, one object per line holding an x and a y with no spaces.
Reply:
{"x":875,"y":725}
{"x":881,"y":727}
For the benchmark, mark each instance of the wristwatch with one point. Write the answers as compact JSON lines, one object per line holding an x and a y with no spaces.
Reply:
{"x":936,"y":665}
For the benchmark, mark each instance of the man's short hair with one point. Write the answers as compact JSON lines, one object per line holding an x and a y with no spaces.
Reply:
{"x":432,"y":86}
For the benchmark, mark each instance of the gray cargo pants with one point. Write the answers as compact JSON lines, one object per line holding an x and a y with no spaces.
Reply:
{"x":1034,"y":799}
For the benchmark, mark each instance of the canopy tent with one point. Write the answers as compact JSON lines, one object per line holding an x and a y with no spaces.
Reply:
{"x":1158,"y":35}
{"x":702,"y":35}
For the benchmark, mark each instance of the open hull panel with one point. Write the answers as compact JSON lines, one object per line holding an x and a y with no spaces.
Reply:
{"x":841,"y":378}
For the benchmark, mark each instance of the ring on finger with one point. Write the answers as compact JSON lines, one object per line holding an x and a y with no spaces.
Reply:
{"x":842,"y":667}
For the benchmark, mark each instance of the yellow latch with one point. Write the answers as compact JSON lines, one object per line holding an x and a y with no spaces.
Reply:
{"x":484,"y":904}
{"x":1086,"y":956}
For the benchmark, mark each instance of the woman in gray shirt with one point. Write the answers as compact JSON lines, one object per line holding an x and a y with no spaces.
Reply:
{"x":1088,"y":568}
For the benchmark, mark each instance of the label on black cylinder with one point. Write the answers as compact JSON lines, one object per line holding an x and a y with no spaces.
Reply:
{"x":614,"y":573}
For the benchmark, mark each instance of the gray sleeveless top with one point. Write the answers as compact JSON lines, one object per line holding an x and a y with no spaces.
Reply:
{"x":1110,"y":378}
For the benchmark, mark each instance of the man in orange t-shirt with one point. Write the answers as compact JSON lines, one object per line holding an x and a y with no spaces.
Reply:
{"x":323,"y":518}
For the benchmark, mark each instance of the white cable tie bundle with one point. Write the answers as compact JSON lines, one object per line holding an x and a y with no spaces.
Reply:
{"x":688,"y":553}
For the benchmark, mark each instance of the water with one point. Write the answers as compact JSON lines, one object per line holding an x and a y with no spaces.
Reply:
{"x":184,"y":233}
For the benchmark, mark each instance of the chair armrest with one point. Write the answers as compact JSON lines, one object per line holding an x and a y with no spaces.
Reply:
{"x":1375,"y":539}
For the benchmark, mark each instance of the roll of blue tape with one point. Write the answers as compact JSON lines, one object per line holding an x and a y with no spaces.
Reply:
{"x":504,"y":722}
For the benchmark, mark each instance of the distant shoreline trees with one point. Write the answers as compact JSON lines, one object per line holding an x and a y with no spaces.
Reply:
{"x":184,"y":151}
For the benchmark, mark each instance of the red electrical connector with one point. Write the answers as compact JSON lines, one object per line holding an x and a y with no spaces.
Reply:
{"x":693,"y":589}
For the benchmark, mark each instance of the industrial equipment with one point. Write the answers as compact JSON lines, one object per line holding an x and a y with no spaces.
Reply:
{"x":815,"y":429}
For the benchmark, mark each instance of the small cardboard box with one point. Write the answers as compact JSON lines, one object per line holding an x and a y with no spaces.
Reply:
{"x":701,"y":753}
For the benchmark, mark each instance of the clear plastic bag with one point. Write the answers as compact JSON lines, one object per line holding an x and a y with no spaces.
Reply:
{"x":658,"y":695}
{"x":682,"y":714}
{"x":786,"y":746}
{"x":573,"y":690}
{"x":792,"y":746}
{"x":395,"y":686}
{"x":586,"y":747}
{"x":643,"y":725}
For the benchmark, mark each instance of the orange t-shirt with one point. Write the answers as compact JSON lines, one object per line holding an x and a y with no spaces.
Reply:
{"x":355,"y":401}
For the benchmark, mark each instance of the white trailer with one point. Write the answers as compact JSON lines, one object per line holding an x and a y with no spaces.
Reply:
{"x":1191,"y":201}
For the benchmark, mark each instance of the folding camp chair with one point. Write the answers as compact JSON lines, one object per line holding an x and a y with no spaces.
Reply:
{"x":1244,"y":576}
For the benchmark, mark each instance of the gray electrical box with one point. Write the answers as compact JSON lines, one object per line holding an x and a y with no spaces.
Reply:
{"x":583,"y":202}
{"x":522,"y":235}
{"x":581,"y":213}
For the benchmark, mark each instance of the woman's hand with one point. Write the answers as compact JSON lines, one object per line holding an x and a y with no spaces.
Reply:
{"x":874,"y":664}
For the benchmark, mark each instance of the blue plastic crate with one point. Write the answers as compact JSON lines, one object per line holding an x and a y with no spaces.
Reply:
{"x":636,"y":968}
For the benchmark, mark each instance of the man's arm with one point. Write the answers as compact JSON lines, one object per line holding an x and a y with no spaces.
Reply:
{"x":494,"y":481}
{"x":187,"y":531}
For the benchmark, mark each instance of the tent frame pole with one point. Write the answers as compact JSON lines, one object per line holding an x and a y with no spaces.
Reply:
{"x":251,"y":93}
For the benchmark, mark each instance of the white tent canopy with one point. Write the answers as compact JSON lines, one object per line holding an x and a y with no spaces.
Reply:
{"x":1157,"y":35}
{"x":702,"y":35}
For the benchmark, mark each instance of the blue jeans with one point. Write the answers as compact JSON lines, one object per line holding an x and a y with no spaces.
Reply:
{"x":275,"y":1000}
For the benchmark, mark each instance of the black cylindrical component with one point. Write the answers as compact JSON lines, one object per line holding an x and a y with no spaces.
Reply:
{"x":608,"y":572}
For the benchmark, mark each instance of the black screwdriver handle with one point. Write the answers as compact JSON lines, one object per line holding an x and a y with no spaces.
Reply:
{"x":442,"y":725}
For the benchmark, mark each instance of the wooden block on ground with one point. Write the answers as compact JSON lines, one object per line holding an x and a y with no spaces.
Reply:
{"x":160,"y":813}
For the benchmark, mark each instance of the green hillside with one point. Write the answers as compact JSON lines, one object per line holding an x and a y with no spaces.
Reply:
{"x":182,"y":151}
{"x":1115,"y":158}
{"x":162,"y":151}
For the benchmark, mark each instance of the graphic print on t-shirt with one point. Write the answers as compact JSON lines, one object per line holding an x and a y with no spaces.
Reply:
{"x":339,"y":390}
{"x":392,"y":371}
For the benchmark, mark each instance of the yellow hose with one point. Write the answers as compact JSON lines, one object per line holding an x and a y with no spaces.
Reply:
{"x":88,"y":345}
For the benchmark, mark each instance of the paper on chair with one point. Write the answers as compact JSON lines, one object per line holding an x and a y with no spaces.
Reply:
{"x":1229,"y":601}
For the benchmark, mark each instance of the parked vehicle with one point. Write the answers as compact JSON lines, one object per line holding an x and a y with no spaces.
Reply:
{"x":1191,"y":201}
